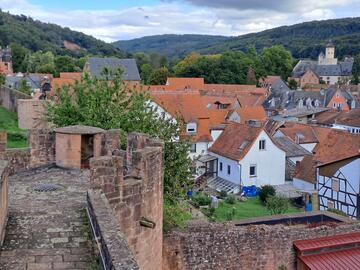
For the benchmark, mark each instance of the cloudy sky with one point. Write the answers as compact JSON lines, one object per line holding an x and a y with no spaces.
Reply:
{"x":112,"y":20}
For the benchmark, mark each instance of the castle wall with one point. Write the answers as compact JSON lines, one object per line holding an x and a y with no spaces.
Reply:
{"x":4,"y":198}
{"x":9,"y":98}
{"x":133,"y":186}
{"x":31,"y":114}
{"x":226,"y":246}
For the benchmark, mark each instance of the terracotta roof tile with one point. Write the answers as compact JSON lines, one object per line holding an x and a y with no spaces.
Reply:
{"x":251,"y":113}
{"x":300,"y":133}
{"x":235,"y":141}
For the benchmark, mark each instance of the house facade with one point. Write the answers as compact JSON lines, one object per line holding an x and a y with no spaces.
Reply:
{"x":246,"y":155}
{"x":338,"y":186}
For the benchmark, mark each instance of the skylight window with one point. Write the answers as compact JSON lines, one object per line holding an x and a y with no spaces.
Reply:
{"x":243,"y":145}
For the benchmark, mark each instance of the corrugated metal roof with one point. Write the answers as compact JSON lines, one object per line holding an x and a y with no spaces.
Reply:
{"x":338,"y":260}
{"x":327,"y":242}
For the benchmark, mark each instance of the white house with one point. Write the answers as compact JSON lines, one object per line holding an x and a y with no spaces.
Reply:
{"x":338,"y":186}
{"x":246,"y":155}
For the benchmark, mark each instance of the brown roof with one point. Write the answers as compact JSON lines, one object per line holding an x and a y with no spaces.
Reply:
{"x":251,"y":113}
{"x":300,"y":133}
{"x":349,"y":118}
{"x":270,"y":79}
{"x":335,"y":146}
{"x":327,"y":117}
{"x":235,"y":141}
{"x":71,"y":75}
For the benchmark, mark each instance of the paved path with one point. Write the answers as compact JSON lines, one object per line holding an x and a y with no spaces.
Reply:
{"x":47,"y":230}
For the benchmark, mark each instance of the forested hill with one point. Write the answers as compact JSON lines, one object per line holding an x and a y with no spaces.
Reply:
{"x":35,"y":35}
{"x":303,"y":40}
{"x":171,"y":45}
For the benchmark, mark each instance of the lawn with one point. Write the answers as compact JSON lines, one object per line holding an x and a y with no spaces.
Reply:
{"x":17,"y":137}
{"x":248,"y":209}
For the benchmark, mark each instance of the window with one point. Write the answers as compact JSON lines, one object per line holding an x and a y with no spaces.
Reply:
{"x":191,"y":128}
{"x":262,"y":144}
{"x":221,"y":166}
{"x":334,"y":105}
{"x":252,"y":170}
{"x":228,"y":169}
{"x":193,"y":148}
{"x":335,"y":184}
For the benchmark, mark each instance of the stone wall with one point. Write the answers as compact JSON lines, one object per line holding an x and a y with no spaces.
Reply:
{"x":227,"y":246}
{"x":4,"y":193}
{"x":133,"y":185}
{"x":9,"y":98}
{"x":31,"y":114}
{"x":116,"y":254}
{"x":41,"y":151}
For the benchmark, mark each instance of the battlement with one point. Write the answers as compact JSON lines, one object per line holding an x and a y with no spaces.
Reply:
{"x":132,"y":182}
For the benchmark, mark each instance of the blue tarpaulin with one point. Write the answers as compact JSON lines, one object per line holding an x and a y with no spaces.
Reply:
{"x":250,"y":191}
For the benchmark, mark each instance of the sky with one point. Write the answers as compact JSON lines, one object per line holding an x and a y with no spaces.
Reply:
{"x":112,"y":20}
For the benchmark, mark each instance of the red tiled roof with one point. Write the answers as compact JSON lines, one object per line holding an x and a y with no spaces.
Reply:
{"x":299,"y":133}
{"x":235,"y":141}
{"x":251,"y":113}
{"x":327,"y":242}
{"x":71,"y":75}
{"x":270,"y":79}
{"x":337,"y":252}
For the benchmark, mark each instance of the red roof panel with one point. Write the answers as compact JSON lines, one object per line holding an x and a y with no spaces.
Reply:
{"x":326,"y":242}
{"x":338,"y":260}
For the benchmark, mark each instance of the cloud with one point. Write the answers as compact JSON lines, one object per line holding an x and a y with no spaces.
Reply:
{"x":225,"y":17}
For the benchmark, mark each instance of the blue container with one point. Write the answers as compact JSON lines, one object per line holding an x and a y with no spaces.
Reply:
{"x":308,"y":207}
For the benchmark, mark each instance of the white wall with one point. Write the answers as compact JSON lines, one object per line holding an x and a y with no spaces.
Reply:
{"x":303,"y":185}
{"x":351,"y":129}
{"x":308,"y":146}
{"x":270,"y":164}
{"x":351,"y":172}
{"x":201,"y":149}
{"x":215,"y":133}
{"x":234,"y":175}
{"x":295,"y":159}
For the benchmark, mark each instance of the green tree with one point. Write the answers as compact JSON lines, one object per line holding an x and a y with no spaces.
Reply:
{"x":18,"y":55}
{"x":146,"y":71}
{"x":293,"y":84}
{"x":276,"y":60}
{"x":40,"y":62}
{"x":356,"y":70}
{"x":64,"y":63}
{"x":97,"y":103}
{"x":2,"y":79}
{"x":159,"y":76}
{"x":24,"y":87}
{"x":277,"y":204}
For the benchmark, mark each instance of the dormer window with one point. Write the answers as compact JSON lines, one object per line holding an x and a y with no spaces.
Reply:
{"x":191,"y":128}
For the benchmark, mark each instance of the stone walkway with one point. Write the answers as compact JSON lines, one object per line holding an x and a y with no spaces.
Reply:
{"x":48,"y":230}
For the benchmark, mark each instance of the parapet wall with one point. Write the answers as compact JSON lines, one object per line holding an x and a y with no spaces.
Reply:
{"x":227,"y":246}
{"x":116,"y":254}
{"x":133,"y":186}
{"x":4,"y":197}
{"x":41,"y":151}
{"x":9,"y":98}
{"x":31,"y":114}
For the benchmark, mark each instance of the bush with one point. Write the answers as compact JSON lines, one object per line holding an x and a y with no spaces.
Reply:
{"x":209,"y":212}
{"x":201,"y":199}
{"x":231,"y":199}
{"x":223,"y":194}
{"x":265,"y":192}
{"x":175,"y":215}
{"x":277,"y":204}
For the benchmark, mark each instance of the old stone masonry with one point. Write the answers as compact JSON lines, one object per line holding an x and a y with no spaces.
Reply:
{"x":47,"y":226}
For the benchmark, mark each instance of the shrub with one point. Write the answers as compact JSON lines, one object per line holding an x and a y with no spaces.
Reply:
{"x":277,"y":204}
{"x":201,"y":199}
{"x":175,"y":215}
{"x":209,"y":212}
{"x":223,"y":194}
{"x":231,"y":199}
{"x":265,"y":192}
